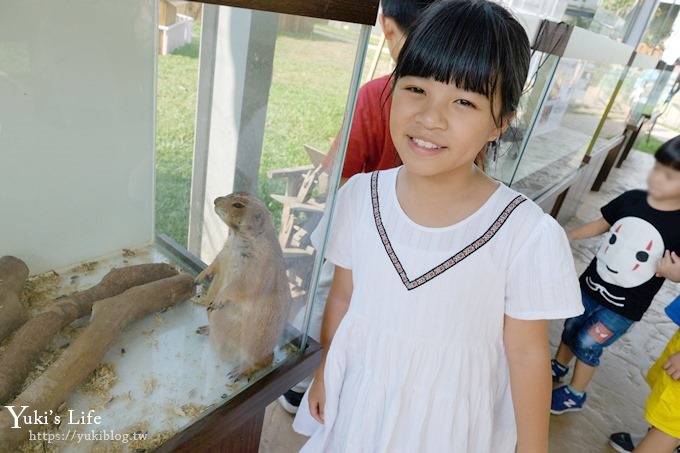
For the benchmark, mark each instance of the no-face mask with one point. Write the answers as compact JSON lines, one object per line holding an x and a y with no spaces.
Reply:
{"x":629,"y":253}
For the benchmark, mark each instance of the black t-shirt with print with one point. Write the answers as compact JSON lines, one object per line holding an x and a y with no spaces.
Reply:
{"x":622,"y":275}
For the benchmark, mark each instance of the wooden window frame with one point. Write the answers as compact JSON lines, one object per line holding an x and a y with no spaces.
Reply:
{"x":355,"y":11}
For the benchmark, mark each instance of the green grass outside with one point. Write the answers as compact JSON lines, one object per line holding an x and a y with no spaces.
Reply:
{"x":175,"y":117}
{"x":306,"y":103}
{"x":647,"y":144}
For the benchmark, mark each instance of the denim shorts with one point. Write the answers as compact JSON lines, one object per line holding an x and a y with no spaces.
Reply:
{"x":598,"y":327}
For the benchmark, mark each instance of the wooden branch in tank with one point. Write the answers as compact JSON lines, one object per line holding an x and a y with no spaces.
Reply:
{"x":109,"y":317}
{"x":13,"y":275}
{"x":356,"y":11}
{"x":22,"y":350}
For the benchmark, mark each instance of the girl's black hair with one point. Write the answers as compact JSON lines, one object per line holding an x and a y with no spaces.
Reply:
{"x":475,"y":44}
{"x":669,"y":153}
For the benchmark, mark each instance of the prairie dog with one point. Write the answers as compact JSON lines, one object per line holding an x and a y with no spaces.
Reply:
{"x":248,"y":297}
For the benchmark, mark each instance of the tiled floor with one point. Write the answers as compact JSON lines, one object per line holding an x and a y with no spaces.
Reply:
{"x":618,"y":391}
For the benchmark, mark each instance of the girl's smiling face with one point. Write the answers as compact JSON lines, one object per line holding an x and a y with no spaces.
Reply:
{"x":439,"y":128}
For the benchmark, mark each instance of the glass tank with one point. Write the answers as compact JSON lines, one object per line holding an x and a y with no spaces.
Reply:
{"x":634,"y":98}
{"x":611,"y":18}
{"x":124,"y":329}
{"x":566,"y":95}
{"x":659,"y":35}
{"x":666,"y":86}
{"x":548,"y":9}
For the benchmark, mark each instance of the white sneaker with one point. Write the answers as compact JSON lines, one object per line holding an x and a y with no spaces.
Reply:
{"x":624,"y":442}
{"x":290,"y":401}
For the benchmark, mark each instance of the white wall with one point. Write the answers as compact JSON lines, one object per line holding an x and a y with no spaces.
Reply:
{"x":77,"y":89}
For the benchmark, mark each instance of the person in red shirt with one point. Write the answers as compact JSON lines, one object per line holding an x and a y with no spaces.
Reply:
{"x":370,"y":145}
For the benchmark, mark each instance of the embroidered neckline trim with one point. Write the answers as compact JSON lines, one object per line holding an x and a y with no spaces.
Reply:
{"x":446,"y":264}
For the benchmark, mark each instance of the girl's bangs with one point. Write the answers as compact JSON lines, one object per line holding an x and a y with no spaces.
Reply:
{"x":462,"y":57}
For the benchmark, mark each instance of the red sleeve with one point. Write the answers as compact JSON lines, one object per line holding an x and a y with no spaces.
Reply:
{"x":370,"y":145}
{"x":370,"y":128}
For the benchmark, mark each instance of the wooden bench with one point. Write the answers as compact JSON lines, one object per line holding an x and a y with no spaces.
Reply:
{"x":303,"y":203}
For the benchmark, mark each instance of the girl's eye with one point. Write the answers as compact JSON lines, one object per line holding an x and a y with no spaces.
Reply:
{"x":416,"y":90}
{"x":464,"y":103}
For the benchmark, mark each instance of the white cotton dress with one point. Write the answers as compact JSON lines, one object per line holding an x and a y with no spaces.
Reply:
{"x":417,"y":364}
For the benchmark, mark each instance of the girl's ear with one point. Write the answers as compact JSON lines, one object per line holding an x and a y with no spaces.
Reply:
{"x":394,"y":37}
{"x":505,"y":124}
{"x":389,"y":27}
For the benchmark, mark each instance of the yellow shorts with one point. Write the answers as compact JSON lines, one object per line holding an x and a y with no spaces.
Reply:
{"x":663,"y":404}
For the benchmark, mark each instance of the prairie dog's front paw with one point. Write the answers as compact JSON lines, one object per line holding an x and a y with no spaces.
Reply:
{"x":203,"y":330}
{"x":204,"y":274}
{"x":240,"y":373}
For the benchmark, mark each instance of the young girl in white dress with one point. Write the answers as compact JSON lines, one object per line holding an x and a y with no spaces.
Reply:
{"x":435,"y":330}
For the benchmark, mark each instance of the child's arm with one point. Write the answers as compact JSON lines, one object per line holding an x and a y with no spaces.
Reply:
{"x":337,"y":304}
{"x":672,"y":366}
{"x":526,"y":345}
{"x":669,"y":266}
{"x":589,"y":229}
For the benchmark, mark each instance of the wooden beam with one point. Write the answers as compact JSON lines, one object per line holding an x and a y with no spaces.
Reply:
{"x":356,"y":11}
